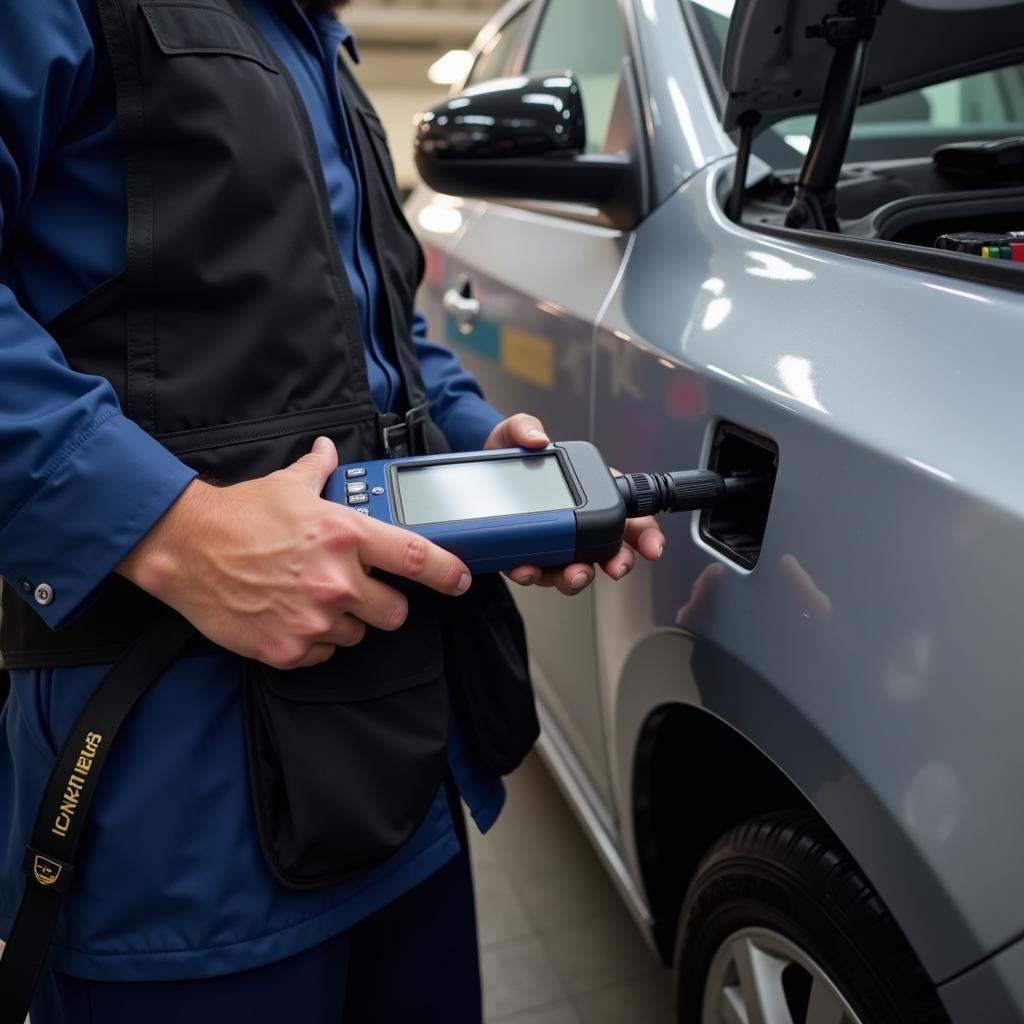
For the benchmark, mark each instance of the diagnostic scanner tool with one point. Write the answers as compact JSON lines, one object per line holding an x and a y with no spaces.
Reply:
{"x":497,"y":510}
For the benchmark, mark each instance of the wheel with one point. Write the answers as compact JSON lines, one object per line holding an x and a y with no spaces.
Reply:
{"x":780,"y":927}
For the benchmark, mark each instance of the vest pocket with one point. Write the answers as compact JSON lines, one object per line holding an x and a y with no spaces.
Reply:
{"x":244,"y":450}
{"x":183,"y":442}
{"x":195,"y":28}
{"x":489,"y":676}
{"x":346,"y":759}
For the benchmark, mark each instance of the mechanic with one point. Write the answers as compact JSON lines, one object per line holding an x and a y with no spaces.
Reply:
{"x":171,"y":407}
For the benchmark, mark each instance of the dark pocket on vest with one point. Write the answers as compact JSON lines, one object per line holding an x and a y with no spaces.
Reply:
{"x":193,"y":28}
{"x":488,"y":674}
{"x":345,"y":759}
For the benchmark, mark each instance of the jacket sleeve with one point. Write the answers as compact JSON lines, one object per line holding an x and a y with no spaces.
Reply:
{"x":456,"y":401}
{"x":80,"y":484}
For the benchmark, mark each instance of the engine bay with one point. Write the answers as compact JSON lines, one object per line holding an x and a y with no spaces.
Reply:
{"x":912,"y":202}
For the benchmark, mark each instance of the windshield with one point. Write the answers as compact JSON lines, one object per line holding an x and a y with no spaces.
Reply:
{"x":989,"y":105}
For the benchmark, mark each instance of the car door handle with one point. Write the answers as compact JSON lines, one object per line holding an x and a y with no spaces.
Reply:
{"x":463,"y":306}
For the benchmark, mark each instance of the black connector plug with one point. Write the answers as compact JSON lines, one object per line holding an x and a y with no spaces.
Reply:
{"x":647,"y":494}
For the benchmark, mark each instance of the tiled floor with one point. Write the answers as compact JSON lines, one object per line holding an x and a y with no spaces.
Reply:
{"x":557,"y":945}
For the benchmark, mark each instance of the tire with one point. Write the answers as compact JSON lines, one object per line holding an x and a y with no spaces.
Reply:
{"x":779,"y":913}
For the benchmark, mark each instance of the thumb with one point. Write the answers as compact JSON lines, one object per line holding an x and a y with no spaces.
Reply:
{"x":522,"y":431}
{"x":313,"y":469}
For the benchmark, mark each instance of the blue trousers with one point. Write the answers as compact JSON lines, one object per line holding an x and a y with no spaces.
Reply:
{"x":414,"y":960}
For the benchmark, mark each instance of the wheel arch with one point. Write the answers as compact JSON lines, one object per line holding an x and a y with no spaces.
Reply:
{"x":679,"y":742}
{"x":716,"y":742}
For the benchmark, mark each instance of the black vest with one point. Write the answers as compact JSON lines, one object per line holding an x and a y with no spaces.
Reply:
{"x":232,"y":334}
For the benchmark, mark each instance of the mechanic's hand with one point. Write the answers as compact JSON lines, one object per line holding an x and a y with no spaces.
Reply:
{"x":642,"y":535}
{"x":272,"y":571}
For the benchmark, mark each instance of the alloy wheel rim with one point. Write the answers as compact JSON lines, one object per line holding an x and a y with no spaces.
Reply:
{"x":758,"y":976}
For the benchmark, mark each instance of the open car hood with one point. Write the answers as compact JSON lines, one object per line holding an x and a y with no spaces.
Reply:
{"x":771,"y":67}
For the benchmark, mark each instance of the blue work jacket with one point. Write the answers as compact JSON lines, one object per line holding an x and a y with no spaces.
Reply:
{"x":171,"y":882}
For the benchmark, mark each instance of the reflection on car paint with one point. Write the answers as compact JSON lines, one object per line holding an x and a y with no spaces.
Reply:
{"x":776,"y":268}
{"x":797,"y":374}
{"x":716,"y":313}
{"x":440,"y":219}
{"x":521,"y":353}
{"x":528,"y":356}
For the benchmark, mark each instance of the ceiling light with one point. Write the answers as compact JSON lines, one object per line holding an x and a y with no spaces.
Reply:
{"x":451,"y":68}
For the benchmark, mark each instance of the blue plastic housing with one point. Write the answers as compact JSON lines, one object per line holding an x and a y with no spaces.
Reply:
{"x":499,"y":543}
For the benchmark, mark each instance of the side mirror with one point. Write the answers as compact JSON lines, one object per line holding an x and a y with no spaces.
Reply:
{"x":518,"y":138}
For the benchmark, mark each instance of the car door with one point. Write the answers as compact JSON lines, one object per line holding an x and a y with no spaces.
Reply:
{"x":441,"y":221}
{"x":533,"y":280}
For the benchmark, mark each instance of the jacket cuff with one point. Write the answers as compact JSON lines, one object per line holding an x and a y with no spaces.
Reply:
{"x":468,"y":422}
{"x":97,"y":501}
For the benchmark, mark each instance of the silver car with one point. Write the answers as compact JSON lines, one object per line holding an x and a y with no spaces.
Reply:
{"x":798,"y":740}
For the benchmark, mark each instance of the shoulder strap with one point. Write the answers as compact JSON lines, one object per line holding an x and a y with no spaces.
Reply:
{"x":64,"y":811}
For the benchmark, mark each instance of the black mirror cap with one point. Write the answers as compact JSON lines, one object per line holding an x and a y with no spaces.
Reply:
{"x":524,"y":139}
{"x":507,"y":118}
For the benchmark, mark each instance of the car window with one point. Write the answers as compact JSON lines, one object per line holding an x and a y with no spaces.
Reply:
{"x":585,"y":37}
{"x":496,"y":56}
{"x":988,"y":105}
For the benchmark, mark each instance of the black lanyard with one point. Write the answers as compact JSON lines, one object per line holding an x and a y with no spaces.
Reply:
{"x":50,"y":857}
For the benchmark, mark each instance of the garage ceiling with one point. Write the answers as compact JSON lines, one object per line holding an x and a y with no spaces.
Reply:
{"x":398,"y":41}
{"x":427,"y":23}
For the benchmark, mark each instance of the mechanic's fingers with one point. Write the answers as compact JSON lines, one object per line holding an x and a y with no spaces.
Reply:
{"x":519,"y":431}
{"x":618,"y":565}
{"x":347,"y":631}
{"x":574,"y":579}
{"x":645,"y":536}
{"x":571,"y":580}
{"x":548,"y":578}
{"x":379,"y":605}
{"x":561,"y":579}
{"x":317,"y":655}
{"x":405,"y":553}
{"x":531,"y":576}
{"x":525,"y":575}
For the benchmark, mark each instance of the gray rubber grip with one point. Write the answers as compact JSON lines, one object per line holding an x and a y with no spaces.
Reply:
{"x":695,"y":489}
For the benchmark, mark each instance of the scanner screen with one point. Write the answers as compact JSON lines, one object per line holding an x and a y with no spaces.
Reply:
{"x":480,"y":489}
